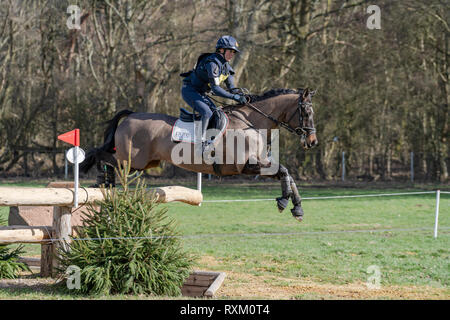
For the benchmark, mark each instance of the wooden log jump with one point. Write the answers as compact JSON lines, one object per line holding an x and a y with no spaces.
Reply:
{"x":64,"y":197}
{"x":62,"y":200}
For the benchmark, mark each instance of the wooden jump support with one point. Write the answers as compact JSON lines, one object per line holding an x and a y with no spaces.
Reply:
{"x":62,"y":200}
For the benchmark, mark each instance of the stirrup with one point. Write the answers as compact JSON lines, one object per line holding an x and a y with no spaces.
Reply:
{"x":207,"y":145}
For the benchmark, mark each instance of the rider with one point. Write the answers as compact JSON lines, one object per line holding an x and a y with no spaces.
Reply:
{"x":208,"y":74}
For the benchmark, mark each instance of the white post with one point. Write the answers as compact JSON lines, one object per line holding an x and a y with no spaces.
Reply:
{"x":199,"y":183}
{"x":412,"y":166}
{"x":198,"y":152}
{"x":343,"y":165}
{"x":198,"y":149}
{"x":436,"y":218}
{"x":75,"y":173}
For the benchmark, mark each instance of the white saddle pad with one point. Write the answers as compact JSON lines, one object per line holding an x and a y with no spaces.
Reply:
{"x":184,"y":131}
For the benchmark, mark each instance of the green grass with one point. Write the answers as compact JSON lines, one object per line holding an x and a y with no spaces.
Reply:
{"x":404,"y":257}
{"x":237,"y":235}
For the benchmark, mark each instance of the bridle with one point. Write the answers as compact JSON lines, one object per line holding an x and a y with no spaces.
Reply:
{"x":301,"y":131}
{"x":304,"y":131}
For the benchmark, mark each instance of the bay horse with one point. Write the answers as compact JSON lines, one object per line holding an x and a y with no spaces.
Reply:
{"x":147,"y":139}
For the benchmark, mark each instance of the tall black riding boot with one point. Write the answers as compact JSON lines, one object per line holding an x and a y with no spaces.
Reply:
{"x":205,"y":122}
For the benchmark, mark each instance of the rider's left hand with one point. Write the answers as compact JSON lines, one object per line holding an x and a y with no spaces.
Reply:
{"x":240,"y":98}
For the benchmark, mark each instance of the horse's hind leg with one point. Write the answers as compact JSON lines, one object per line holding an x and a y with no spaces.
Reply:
{"x":106,"y":164}
{"x":110,"y":176}
{"x":101,"y":175}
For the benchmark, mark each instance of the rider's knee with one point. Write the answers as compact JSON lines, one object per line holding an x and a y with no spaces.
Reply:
{"x":208,"y":113}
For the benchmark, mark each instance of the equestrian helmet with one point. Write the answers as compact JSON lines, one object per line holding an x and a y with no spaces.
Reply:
{"x":227,"y":42}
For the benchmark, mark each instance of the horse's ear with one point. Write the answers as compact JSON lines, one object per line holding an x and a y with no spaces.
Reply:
{"x":305,"y":93}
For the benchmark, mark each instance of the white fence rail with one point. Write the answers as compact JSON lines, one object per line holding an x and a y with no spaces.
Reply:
{"x":437,"y":192}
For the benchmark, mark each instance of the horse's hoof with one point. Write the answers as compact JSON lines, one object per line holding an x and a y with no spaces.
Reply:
{"x":297,"y":213}
{"x":282,"y":203}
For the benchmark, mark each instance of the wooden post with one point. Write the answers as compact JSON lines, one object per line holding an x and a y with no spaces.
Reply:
{"x":343,"y":165}
{"x":46,"y":259}
{"x":47,"y":249}
{"x":62,"y":229}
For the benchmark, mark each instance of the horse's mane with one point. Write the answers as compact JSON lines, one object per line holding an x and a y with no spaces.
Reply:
{"x":272,"y":93}
{"x":266,"y":95}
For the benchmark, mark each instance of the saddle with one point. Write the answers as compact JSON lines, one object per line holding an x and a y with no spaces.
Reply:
{"x":187,"y":116}
{"x":183,"y":128}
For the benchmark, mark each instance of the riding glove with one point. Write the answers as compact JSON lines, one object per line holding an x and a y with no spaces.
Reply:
{"x":240,"y":98}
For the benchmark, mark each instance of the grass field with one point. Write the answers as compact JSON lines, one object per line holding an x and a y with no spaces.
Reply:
{"x":267,"y":254}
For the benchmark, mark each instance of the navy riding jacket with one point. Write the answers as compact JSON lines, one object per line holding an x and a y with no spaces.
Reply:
{"x":209,"y":73}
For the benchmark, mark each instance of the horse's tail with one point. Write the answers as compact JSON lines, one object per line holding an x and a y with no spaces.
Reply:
{"x":94,"y":154}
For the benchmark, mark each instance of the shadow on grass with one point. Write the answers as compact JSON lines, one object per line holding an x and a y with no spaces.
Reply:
{"x":31,"y":284}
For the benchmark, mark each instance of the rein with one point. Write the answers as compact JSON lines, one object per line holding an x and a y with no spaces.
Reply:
{"x":300,"y":131}
{"x":303,"y":132}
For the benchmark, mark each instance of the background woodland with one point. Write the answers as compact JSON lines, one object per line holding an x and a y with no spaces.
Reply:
{"x":381,"y":93}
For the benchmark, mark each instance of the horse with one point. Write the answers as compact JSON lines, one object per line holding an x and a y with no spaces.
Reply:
{"x":145,"y":139}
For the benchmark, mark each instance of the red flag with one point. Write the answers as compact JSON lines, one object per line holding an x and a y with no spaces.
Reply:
{"x":72,"y":137}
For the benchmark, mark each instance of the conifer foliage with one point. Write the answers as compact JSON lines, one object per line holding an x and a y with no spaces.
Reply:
{"x":10,"y":267}
{"x":129,"y":245}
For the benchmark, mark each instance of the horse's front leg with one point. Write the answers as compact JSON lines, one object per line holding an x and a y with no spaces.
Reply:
{"x":297,"y":211}
{"x":288,"y":188}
